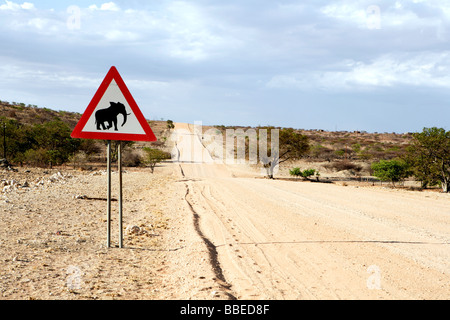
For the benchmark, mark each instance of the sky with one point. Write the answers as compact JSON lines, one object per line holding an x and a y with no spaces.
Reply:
{"x":375,"y":66}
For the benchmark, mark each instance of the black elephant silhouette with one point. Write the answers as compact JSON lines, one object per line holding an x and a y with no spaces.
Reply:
{"x":110,"y":115}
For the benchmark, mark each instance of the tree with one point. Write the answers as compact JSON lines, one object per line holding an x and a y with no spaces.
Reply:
{"x":170,"y":124}
{"x":391,"y":170}
{"x":15,"y":139}
{"x":429,"y":157}
{"x":54,"y":138}
{"x":39,"y":144}
{"x":155,"y":156}
{"x":291,"y":145}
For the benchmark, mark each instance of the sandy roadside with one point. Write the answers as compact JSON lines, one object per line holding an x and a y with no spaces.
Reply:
{"x":52,"y":239}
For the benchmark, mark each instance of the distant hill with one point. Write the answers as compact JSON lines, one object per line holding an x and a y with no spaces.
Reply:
{"x":351,"y":146}
{"x":31,"y":114}
{"x":328,"y":146}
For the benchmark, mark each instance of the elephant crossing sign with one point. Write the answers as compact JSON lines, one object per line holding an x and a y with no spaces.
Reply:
{"x":113,"y":114}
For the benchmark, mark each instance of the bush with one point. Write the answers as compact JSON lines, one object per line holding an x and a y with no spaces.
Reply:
{"x":344,"y":165}
{"x":131,"y":159}
{"x":318,"y":151}
{"x":155,"y":156}
{"x":297,"y":172}
{"x":308,"y":173}
{"x":79,"y":158}
{"x":38,"y":144}
{"x":39,"y":157}
{"x":391,"y":170}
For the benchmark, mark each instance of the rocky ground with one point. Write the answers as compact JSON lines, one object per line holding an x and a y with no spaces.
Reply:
{"x":53,"y":238}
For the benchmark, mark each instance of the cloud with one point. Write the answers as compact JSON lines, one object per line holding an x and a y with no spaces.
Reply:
{"x":214,"y":56}
{"x":108,"y":6}
{"x":9,"y":5}
{"x":388,"y":71}
{"x":190,"y":32}
{"x":44,"y":75}
{"x":117,"y":35}
{"x":38,"y":23}
{"x":350,"y":12}
{"x":408,"y":15}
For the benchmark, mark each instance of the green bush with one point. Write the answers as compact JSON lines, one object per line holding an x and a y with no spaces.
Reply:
{"x":391,"y":170}
{"x":297,"y":172}
{"x":39,"y":144}
{"x":155,"y":156}
{"x":308,"y":173}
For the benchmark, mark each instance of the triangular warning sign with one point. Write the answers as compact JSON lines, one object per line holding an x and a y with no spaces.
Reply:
{"x":113,"y":114}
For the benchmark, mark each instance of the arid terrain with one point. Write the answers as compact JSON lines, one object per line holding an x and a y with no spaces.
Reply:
{"x":215,"y":231}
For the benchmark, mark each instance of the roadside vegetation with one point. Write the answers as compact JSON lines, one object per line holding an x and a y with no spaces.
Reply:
{"x":392,"y":157}
{"x":41,"y":137}
{"x":391,"y":170}
{"x":305,"y":174}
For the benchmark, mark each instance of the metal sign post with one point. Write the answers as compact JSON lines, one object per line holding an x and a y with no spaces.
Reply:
{"x":108,"y":199}
{"x":108,"y":231}
{"x":120,"y":196}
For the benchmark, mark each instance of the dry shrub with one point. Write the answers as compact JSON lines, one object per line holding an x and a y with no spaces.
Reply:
{"x":343,"y":165}
{"x":131,"y":159}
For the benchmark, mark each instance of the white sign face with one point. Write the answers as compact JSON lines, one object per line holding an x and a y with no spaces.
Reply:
{"x":113,"y":114}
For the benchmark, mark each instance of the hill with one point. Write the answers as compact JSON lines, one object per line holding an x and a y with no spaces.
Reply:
{"x":340,"y":149}
{"x":37,"y":136}
{"x":344,"y":145}
{"x":31,"y":115}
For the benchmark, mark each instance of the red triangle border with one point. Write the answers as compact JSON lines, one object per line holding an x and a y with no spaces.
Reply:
{"x":113,"y":74}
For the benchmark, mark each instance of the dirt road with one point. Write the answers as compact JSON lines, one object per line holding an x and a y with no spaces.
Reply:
{"x":272,"y":239}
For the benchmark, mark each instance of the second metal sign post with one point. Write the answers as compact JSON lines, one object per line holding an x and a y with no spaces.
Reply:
{"x":119,"y":161}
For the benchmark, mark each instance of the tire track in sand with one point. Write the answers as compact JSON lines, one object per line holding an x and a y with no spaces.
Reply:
{"x":212,"y":250}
